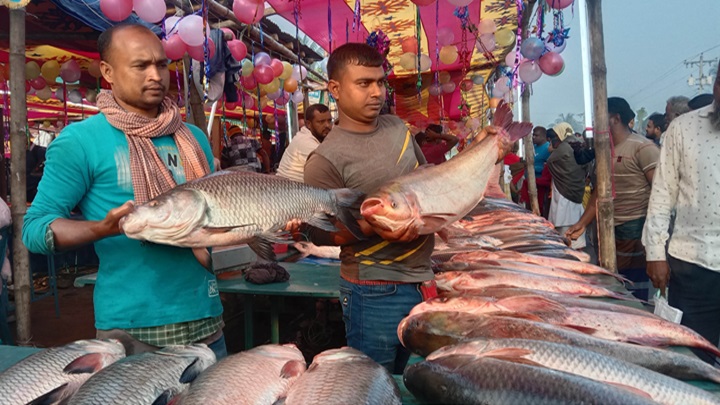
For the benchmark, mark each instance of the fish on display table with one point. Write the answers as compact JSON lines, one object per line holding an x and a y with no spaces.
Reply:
{"x":146,"y":378}
{"x":55,"y":374}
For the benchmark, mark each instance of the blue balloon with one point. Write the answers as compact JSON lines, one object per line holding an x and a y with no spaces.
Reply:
{"x":532,"y":48}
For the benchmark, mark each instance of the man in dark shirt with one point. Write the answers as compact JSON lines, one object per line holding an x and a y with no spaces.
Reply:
{"x":382,"y":275}
{"x":435,"y":144}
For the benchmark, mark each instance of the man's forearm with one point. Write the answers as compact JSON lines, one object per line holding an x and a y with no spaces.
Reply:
{"x":68,"y":234}
{"x":590,"y":211}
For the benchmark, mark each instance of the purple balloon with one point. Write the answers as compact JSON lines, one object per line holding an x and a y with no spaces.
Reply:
{"x":261,"y":58}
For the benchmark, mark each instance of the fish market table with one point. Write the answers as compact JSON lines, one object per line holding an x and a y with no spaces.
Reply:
{"x":10,"y":355}
{"x":306,"y":280}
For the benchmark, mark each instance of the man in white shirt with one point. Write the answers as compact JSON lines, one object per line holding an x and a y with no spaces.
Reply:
{"x":687,"y":181}
{"x":318,"y":123}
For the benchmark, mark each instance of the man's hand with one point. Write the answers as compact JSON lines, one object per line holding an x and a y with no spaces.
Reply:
{"x":110,"y":225}
{"x":659,"y":274}
{"x":575,"y":231}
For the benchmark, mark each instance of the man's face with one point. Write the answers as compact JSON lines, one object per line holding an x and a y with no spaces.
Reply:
{"x":651,"y":131}
{"x":538,"y":138}
{"x":320,"y":124}
{"x":137,"y":70}
{"x":669,"y":113}
{"x":360,"y":92}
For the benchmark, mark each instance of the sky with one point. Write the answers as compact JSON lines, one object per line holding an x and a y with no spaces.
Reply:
{"x":646,"y":42}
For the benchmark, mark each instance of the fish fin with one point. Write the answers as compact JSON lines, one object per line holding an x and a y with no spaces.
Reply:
{"x":191,"y":372}
{"x":584,"y":329}
{"x":222,"y":229}
{"x":533,"y":304}
{"x":624,"y":297}
{"x":512,"y":354}
{"x":166,"y":398}
{"x":444,"y":235}
{"x":652,"y":341}
{"x":262,"y":248}
{"x":634,"y":390}
{"x":89,"y":363}
{"x":518,"y":130}
{"x":321,"y":221}
{"x":349,"y":200}
{"x":437,"y":220}
{"x":280,"y":401}
{"x":50,"y":397}
{"x":503,"y":115}
{"x":293,"y":368}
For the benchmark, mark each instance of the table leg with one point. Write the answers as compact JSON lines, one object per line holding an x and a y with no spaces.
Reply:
{"x":249,"y":332}
{"x":275,"y":306}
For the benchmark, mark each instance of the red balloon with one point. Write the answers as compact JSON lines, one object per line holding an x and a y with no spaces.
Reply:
{"x":27,"y":86}
{"x":422,"y":3}
{"x":263,"y":74}
{"x":248,"y":11}
{"x":237,"y":49}
{"x":198,"y":53}
{"x":410,"y":45}
{"x":229,"y":31}
{"x":38,"y":83}
{"x":230,"y":106}
{"x":116,"y":10}
{"x":249,"y":82}
{"x":277,"y":67}
{"x":174,"y":46}
{"x":551,"y":63}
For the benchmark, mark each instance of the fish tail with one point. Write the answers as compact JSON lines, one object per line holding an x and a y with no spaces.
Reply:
{"x":346,"y":201}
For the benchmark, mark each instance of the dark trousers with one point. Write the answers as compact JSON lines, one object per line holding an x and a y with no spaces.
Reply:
{"x":694,"y":290}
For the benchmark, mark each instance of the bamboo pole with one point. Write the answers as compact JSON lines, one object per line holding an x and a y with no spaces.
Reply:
{"x":3,"y":166}
{"x":527,"y":142}
{"x":194,"y":106}
{"x":605,"y":210}
{"x":18,"y":139}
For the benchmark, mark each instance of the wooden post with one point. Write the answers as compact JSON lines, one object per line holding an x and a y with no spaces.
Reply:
{"x":194,"y":105}
{"x":605,"y":210}
{"x":3,"y":166}
{"x":527,"y":142}
{"x":18,"y":140}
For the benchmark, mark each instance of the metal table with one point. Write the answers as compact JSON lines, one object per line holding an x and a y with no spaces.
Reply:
{"x":306,"y":280}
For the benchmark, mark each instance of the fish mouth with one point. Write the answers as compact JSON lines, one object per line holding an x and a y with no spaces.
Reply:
{"x":371,"y":206}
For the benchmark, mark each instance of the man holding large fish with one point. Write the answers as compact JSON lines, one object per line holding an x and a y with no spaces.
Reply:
{"x":147,"y":295}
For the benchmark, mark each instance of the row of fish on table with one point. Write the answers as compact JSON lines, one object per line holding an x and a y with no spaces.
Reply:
{"x":510,"y":327}
{"x":96,"y":372}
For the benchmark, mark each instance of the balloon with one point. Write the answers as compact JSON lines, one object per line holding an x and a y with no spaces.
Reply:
{"x":496,"y":93}
{"x":423,"y":3}
{"x":448,"y":88}
{"x":283,"y":99}
{"x":273,"y":86}
{"x":494,"y":102}
{"x":150,"y":10}
{"x":410,"y":45}
{"x":448,"y":54}
{"x":116,"y":10}
{"x":487,"y":26}
{"x":247,"y":68}
{"x":299,"y":73}
{"x":298,"y":97}
{"x":559,"y":4}
{"x":532,"y":48}
{"x":262,"y":58}
{"x":263,"y":74}
{"x":551,"y":63}
{"x":443,"y":77}
{"x":290,"y":85}
{"x":171,"y":25}
{"x":445,"y":36}
{"x":70,"y":71}
{"x":198,"y":52}
{"x":408,"y":61}
{"x":38,"y":83}
{"x":504,"y":37}
{"x":274,"y":95}
{"x":479,"y":80}
{"x":74,"y":96}
{"x":435,"y":89}
{"x":560,"y":72}
{"x":227,"y":30}
{"x":91,"y":95}
{"x":94,"y":69}
{"x":28,"y":88}
{"x":50,"y":70}
{"x":230,"y":105}
{"x":248,"y":11}
{"x":460,"y":3}
{"x":249,"y":101}
{"x":510,"y":58}
{"x":277,"y":67}
{"x":550,"y":45}
{"x":287,"y":71}
{"x":237,"y":49}
{"x":32,"y":70}
{"x":44,"y":94}
{"x":502,"y":85}
{"x":190,"y":29}
{"x":174,"y":46}
{"x":486,"y":43}
{"x":466,"y":85}
{"x":529,"y":71}
{"x":249,"y":82}
{"x":425,"y":63}
{"x":59,"y":94}
{"x":509,"y":97}
{"x":46,"y":124}
{"x":4,"y":72}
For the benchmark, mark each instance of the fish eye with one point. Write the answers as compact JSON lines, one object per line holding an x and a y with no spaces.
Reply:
{"x":393,"y":204}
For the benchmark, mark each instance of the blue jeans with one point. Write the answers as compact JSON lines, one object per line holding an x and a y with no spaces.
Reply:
{"x":218,"y":347}
{"x":372,"y":314}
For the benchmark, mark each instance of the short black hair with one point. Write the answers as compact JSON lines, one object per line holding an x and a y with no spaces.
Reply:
{"x":310,"y":112}
{"x":541,"y":130}
{"x":658,"y":120}
{"x":105,"y":39}
{"x":420,"y":137}
{"x":352,"y":53}
{"x":435,"y":128}
{"x":619,"y":106}
{"x":701,"y":101}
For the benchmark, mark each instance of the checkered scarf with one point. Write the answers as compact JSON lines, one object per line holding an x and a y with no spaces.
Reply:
{"x":150,"y":176}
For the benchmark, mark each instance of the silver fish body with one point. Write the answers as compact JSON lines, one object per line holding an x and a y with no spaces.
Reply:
{"x":56,"y":373}
{"x":344,"y":376}
{"x":142,"y":379}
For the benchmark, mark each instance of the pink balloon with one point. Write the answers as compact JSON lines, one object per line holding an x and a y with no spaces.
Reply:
{"x":249,"y":82}
{"x":263,"y":74}
{"x":488,"y":43}
{"x":70,"y":71}
{"x":435,"y":89}
{"x":274,"y":95}
{"x":262,"y":58}
{"x":38,"y":83}
{"x":422,"y":3}
{"x":229,"y":31}
{"x":248,"y":12}
{"x":230,"y":105}
{"x":116,"y":10}
{"x":198,"y":52}
{"x":529,"y":71}
{"x":445,"y":36}
{"x":277,"y":67}
{"x":237,"y":49}
{"x":448,"y":87}
{"x":559,"y":4}
{"x":283,"y":99}
{"x":190,"y":29}
{"x":551,"y":63}
{"x":171,"y":25}
{"x":150,"y":10}
{"x":174,"y":46}
{"x":249,"y":101}
{"x":510,"y":58}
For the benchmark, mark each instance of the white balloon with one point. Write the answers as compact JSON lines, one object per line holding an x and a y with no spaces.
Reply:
{"x":297,"y":97}
{"x":425,"y":63}
{"x":170,"y":25}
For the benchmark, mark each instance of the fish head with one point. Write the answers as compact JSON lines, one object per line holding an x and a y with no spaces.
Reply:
{"x":167,"y":218}
{"x":392,"y":209}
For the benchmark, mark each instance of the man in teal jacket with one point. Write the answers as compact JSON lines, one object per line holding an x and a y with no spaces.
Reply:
{"x":146,"y":295}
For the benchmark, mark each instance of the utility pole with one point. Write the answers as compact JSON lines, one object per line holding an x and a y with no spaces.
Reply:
{"x":702,"y":79}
